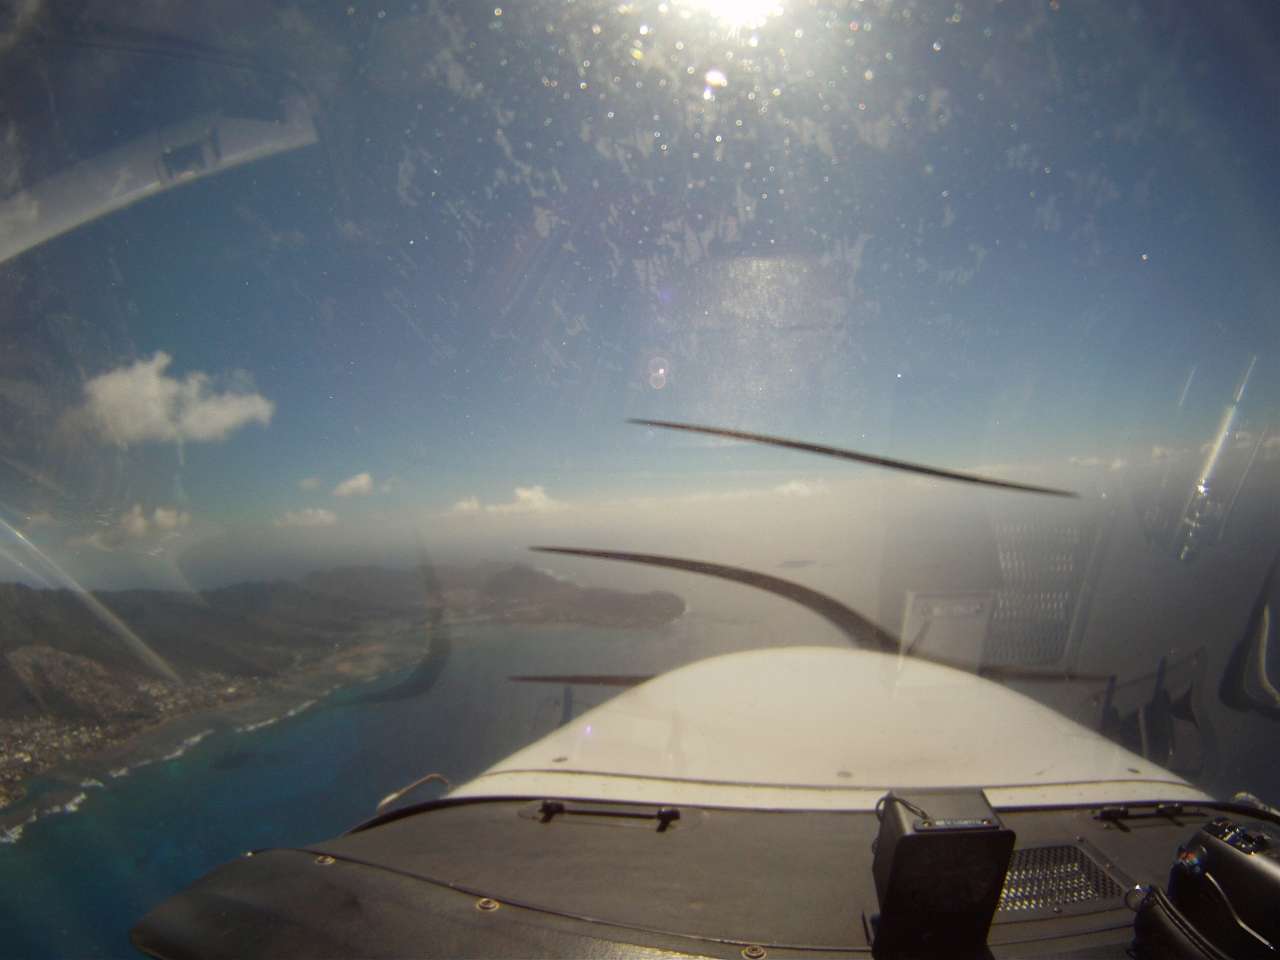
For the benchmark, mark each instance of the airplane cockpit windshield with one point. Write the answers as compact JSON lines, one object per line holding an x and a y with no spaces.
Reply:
{"x":386,"y":384}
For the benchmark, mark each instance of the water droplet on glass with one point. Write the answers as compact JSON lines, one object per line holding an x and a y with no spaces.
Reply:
{"x":937,"y":46}
{"x":716,"y":78}
{"x":869,"y":74}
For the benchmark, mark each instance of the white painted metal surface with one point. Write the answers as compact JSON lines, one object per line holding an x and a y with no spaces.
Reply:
{"x":824,"y":728}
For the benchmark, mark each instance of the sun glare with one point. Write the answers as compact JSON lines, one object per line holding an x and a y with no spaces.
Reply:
{"x":739,"y":14}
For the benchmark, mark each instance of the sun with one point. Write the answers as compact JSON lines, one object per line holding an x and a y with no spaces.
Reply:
{"x":739,"y":14}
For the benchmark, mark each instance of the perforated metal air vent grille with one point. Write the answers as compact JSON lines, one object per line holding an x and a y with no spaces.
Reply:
{"x":1042,"y":878}
{"x":1042,"y":568}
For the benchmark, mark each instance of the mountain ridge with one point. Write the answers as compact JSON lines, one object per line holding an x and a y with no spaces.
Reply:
{"x":74,"y":681}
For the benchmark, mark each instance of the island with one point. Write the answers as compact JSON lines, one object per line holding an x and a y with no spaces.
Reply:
{"x":73,"y":682}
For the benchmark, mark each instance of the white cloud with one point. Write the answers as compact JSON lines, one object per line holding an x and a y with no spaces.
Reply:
{"x":1118,"y":463}
{"x":536,"y":500}
{"x":797,"y":489}
{"x":308,"y":517}
{"x":135,"y":524}
{"x":139,"y":402}
{"x":526,"y":500}
{"x":309,"y":483}
{"x":801,"y":488}
{"x":359,"y":485}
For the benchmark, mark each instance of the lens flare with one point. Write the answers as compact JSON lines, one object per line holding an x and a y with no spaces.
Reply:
{"x":739,"y":14}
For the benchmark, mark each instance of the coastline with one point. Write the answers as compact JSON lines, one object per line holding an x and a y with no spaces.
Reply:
{"x":66,"y":785}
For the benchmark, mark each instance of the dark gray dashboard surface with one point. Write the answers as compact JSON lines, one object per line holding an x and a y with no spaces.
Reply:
{"x":596,"y":879}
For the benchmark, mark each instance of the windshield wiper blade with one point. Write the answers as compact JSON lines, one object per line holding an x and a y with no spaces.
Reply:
{"x":585,"y":679}
{"x":852,"y":624}
{"x":861,"y":631}
{"x":868,"y":458}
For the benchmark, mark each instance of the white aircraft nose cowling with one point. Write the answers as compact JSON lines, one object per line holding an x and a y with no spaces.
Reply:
{"x":824,"y":728}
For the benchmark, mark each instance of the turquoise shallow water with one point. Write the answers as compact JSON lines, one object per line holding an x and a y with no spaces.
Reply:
{"x":74,"y":883}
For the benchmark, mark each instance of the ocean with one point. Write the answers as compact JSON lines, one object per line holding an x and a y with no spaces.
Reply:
{"x":139,"y":829}
{"x":74,"y":882}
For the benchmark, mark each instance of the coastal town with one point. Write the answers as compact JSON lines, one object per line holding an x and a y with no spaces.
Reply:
{"x":33,"y":746}
{"x":68,"y":694}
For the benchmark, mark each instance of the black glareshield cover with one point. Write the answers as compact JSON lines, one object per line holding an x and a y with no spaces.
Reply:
{"x":940,"y":862}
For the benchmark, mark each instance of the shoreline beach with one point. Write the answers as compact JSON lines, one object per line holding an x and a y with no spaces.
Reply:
{"x":64,"y":787}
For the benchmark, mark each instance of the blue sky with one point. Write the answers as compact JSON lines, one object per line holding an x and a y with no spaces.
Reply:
{"x":1000,"y":235}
